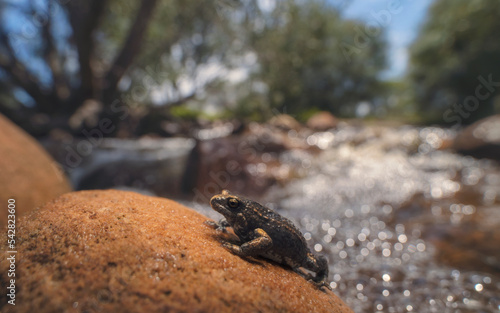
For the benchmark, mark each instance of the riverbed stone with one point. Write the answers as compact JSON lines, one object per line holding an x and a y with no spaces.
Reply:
{"x":481,"y":139}
{"x":117,"y":251}
{"x":285,"y":122}
{"x":27,"y":173}
{"x":322,"y":121}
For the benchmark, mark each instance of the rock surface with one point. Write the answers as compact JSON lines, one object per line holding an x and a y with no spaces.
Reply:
{"x":322,"y":121}
{"x":27,"y":173}
{"x":116,"y":251}
{"x":285,"y":122}
{"x":481,"y":139}
{"x":247,"y":163}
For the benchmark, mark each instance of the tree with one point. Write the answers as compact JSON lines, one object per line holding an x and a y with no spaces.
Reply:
{"x":69,"y":64}
{"x":455,"y":61}
{"x":62,"y":58}
{"x":311,"y":58}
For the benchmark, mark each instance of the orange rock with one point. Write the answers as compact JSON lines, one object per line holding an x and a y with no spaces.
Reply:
{"x":322,"y":121}
{"x":27,"y":173}
{"x":116,"y":251}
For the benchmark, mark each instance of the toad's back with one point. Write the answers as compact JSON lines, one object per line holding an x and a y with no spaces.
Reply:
{"x":289,"y":246}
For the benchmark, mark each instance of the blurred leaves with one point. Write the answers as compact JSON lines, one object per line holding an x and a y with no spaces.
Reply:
{"x":457,"y":45}
{"x":303,"y":63}
{"x":241,"y":58}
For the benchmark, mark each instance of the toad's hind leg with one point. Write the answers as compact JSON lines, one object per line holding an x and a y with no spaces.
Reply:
{"x":261,"y":243}
{"x":318,"y":265}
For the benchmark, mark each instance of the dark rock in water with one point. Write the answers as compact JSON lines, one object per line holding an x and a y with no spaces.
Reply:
{"x":247,"y":163}
{"x":322,"y":121}
{"x":481,"y":139}
{"x":219,"y":163}
{"x":116,"y":251}
{"x":27,"y":173}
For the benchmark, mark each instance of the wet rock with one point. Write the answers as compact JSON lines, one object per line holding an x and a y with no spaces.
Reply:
{"x":249,"y":162}
{"x":116,"y":251}
{"x":285,"y":122}
{"x":27,"y":173}
{"x":233,"y":161}
{"x":481,"y":139}
{"x":322,"y":121}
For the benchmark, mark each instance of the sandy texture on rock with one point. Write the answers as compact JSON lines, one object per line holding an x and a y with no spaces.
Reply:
{"x":27,"y":173}
{"x":116,"y":251}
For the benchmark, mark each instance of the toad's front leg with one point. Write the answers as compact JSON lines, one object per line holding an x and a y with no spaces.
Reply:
{"x":261,"y":243}
{"x":220,"y":226}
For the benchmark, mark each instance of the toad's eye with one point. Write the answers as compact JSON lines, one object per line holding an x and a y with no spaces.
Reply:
{"x":233,"y":203}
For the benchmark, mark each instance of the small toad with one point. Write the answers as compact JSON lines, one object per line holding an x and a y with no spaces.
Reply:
{"x":265,"y":233}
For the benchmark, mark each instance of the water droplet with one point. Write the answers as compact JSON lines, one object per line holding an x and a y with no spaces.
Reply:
{"x":478,"y":287}
{"x":387,"y":209}
{"x":402,"y":238}
{"x":421,"y":247}
{"x":398,"y":246}
{"x":332,"y":231}
{"x":365,"y":209}
{"x":382,"y":235}
{"x":327,"y":238}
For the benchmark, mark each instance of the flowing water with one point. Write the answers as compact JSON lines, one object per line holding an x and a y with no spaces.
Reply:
{"x":406,"y":227}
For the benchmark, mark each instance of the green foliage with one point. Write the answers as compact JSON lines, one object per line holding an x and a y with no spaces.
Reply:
{"x":304,"y":59}
{"x":457,"y":50}
{"x":298,"y":57}
{"x":182,"y":36}
{"x":185,"y":113}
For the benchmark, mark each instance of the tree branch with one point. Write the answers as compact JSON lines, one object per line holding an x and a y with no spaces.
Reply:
{"x":84,"y":17}
{"x":60,"y":87}
{"x":130,"y":48}
{"x":22,"y":78}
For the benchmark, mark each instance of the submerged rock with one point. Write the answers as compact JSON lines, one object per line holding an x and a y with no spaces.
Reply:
{"x":27,"y":173}
{"x":116,"y":251}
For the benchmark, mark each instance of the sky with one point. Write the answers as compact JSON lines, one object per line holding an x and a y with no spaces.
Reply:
{"x":402,"y":26}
